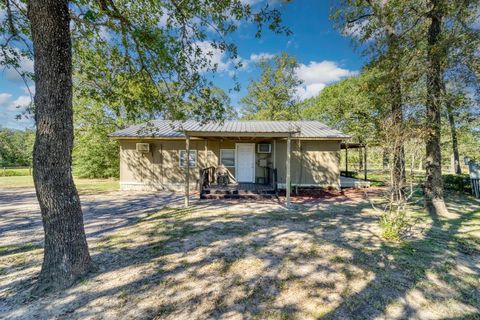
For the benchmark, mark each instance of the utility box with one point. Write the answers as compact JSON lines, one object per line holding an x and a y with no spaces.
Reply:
{"x":262,"y":163}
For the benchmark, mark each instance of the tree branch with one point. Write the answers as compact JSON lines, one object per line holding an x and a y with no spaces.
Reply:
{"x":360,"y":18}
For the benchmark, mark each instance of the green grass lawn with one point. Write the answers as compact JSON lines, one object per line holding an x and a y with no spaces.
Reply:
{"x":21,"y":171}
{"x":83,"y":185}
{"x":379,"y":177}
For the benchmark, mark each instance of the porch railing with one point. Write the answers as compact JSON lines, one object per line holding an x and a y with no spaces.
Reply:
{"x":272,"y":179}
{"x":207,"y":176}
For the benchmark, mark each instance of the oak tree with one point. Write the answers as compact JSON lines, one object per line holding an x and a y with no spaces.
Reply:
{"x":167,"y":46}
{"x":274,"y":95}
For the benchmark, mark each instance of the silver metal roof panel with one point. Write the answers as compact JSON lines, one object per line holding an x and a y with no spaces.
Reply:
{"x":166,"y":129}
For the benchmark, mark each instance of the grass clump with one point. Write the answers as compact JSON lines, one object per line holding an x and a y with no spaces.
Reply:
{"x":393,"y":225}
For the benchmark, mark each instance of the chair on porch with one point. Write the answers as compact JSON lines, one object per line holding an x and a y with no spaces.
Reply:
{"x":224,"y":176}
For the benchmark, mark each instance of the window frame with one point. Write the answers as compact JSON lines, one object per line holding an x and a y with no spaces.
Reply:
{"x":234,"y":157}
{"x":264,"y":152}
{"x":192,"y":151}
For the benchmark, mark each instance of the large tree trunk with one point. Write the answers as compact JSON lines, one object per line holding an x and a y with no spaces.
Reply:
{"x":66,"y":255}
{"x":453,"y":131}
{"x":434,"y":200}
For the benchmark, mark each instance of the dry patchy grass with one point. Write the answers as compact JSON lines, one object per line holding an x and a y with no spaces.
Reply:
{"x":259,"y":261}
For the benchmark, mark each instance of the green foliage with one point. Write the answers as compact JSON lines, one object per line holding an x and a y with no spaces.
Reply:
{"x":455,"y":182}
{"x":15,"y":172}
{"x":273,"y":96}
{"x":95,"y":155}
{"x":163,"y":51}
{"x":16,"y":147}
{"x":214,"y":101}
{"x":146,"y":57}
{"x":350,"y":106}
{"x":393,"y":225}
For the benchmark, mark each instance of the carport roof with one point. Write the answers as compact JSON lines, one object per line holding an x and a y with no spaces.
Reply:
{"x":177,"y":129}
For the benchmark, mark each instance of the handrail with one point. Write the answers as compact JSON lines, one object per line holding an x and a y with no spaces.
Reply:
{"x":207,"y":176}
{"x":272,"y":179}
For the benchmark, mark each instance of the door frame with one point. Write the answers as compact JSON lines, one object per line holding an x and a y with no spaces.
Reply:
{"x":254,"y":161}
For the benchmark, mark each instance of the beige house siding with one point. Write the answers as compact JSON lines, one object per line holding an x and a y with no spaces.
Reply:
{"x":316,"y":165}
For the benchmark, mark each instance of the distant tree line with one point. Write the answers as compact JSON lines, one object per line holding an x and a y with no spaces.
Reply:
{"x":16,"y":147}
{"x":420,"y":86}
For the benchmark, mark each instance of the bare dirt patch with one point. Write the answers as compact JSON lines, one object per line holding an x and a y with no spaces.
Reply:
{"x":257,"y":260}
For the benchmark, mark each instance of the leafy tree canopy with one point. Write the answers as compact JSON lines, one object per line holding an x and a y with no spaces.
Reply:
{"x":273,"y":96}
{"x":16,"y":147}
{"x":351,"y":105}
{"x":162,"y":50}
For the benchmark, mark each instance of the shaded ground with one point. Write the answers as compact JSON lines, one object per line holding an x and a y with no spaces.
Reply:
{"x":21,"y":224}
{"x":255,"y":260}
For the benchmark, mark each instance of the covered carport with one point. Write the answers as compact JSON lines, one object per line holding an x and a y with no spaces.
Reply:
{"x":347,"y":176}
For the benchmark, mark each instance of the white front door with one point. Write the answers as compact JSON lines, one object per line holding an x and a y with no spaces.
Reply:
{"x":245,"y":164}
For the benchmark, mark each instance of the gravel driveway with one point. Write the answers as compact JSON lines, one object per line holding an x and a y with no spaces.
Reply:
{"x":20,"y":220}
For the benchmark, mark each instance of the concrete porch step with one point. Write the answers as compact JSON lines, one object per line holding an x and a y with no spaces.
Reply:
{"x":238,"y":192}
{"x":237,"y":196}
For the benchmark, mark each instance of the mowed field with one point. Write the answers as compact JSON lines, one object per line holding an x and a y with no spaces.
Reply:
{"x":83,"y":185}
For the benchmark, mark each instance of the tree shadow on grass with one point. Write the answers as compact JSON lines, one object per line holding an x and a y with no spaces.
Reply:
{"x":193,"y":263}
{"x":410,"y":263}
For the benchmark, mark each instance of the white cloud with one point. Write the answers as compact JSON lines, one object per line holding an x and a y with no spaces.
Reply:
{"x":9,"y":112}
{"x":19,"y":103}
{"x":256,"y":57}
{"x":26,"y":65}
{"x":310,"y":91}
{"x":325,"y":72}
{"x":29,"y":90}
{"x":215,"y":56}
{"x":4,"y":98}
{"x":356,"y":30}
{"x":317,"y":75}
{"x":224,"y":64}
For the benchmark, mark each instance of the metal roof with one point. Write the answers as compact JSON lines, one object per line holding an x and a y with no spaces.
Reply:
{"x":167,"y":129}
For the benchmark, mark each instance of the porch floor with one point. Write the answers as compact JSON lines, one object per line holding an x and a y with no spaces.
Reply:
{"x":238,"y":190}
{"x":347,"y":182}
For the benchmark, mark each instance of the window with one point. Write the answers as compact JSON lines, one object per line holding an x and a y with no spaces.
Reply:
{"x":193,"y":158}
{"x":227,"y":157}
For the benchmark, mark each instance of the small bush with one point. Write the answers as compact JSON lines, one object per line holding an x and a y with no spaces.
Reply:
{"x":393,"y":225}
{"x":459,"y":183}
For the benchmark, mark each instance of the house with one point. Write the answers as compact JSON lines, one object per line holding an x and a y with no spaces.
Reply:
{"x":282,"y":154}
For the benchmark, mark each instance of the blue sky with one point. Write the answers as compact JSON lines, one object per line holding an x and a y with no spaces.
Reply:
{"x":325,"y":56}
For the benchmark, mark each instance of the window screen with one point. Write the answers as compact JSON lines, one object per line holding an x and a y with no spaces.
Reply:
{"x":227,"y":157}
{"x":193,"y":158}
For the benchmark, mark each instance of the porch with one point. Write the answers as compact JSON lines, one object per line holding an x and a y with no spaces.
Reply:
{"x":238,"y":190}
{"x":348,"y":182}
{"x":250,"y":160}
{"x":210,"y":186}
